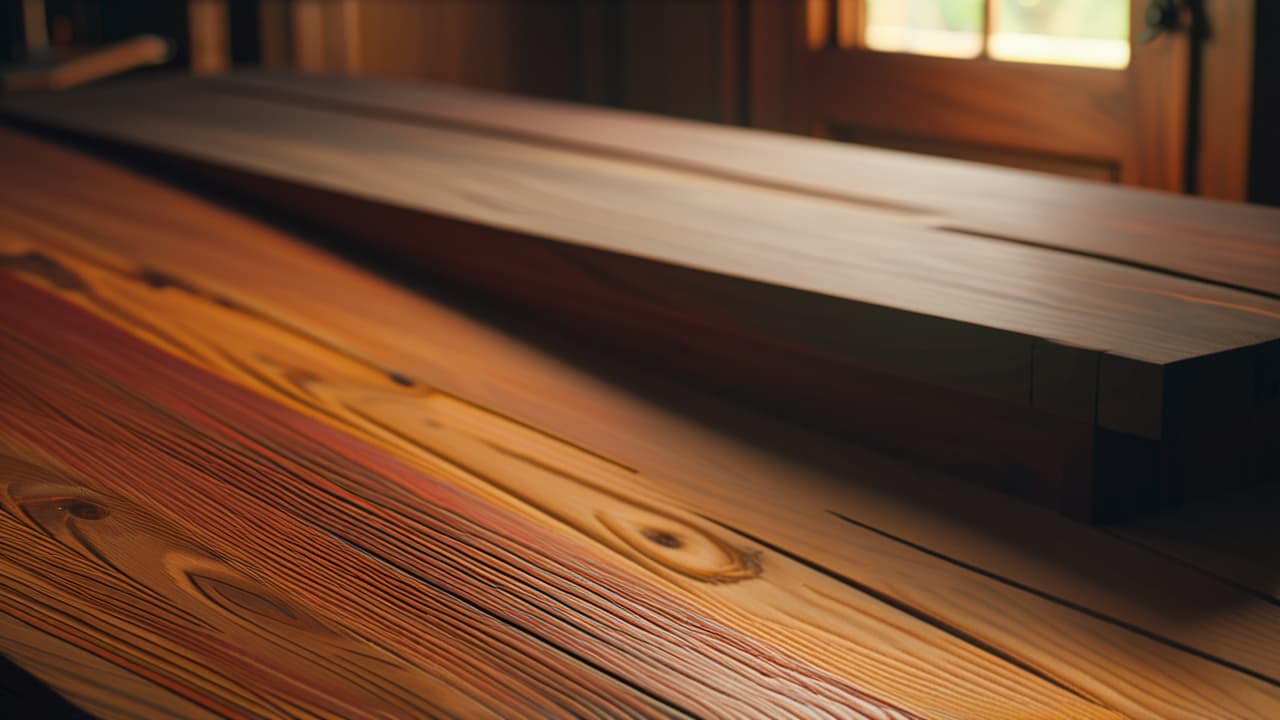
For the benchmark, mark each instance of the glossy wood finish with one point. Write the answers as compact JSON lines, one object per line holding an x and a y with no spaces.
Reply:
{"x":696,"y":269}
{"x":1014,"y":351}
{"x":1220,"y":242}
{"x":227,"y":493}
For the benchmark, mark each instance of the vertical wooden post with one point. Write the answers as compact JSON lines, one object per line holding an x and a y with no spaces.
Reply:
{"x":326,"y":35}
{"x":208,"y":23}
{"x":1160,"y":83}
{"x":274,"y":31}
{"x":35,"y":31}
{"x":1226,"y":98}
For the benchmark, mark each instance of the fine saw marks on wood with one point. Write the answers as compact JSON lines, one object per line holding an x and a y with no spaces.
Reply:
{"x":635,"y":512}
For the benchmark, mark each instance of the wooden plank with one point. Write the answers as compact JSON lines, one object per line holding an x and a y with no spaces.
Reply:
{"x":209,"y":32}
{"x":1226,"y":100}
{"x":877,"y":312}
{"x":1220,"y":242}
{"x":945,"y":98}
{"x":355,"y":433}
{"x":484,"y":612}
{"x":88,"y":65}
{"x":994,"y":303}
{"x":1159,"y":82}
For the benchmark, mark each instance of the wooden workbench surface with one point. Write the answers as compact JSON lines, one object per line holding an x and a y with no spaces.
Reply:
{"x":245,"y":478}
{"x":901,"y":280}
{"x":1101,"y":351}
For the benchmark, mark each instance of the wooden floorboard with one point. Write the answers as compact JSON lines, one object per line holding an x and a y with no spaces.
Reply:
{"x":260,"y":481}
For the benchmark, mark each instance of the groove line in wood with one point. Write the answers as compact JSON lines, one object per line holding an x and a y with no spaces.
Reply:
{"x":1062,"y":601}
{"x":298,"y":357}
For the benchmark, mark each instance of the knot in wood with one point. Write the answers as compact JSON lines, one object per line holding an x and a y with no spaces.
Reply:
{"x":85,"y":510}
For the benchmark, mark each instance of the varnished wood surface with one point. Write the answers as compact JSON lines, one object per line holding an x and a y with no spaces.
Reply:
{"x":242,"y":477}
{"x":1220,"y":242}
{"x":864,"y":280}
{"x":819,"y":307}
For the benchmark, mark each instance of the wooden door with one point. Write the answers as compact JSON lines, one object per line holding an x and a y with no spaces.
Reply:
{"x":1124,"y":124}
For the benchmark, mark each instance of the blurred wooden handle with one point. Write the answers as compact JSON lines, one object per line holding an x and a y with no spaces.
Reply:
{"x":110,"y":60}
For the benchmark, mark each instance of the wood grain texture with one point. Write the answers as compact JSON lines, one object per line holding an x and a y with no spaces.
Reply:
{"x":1226,"y":99}
{"x":698,"y":269}
{"x":410,"y":497}
{"x":997,"y":300}
{"x":1216,"y":241}
{"x":497,"y":614}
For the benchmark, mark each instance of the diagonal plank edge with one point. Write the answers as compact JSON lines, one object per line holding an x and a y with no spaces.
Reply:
{"x":1228,"y":244}
{"x":199,"y":283}
{"x":1102,"y":375}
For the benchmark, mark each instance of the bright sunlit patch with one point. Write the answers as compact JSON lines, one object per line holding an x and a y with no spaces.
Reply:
{"x":1092,"y":33}
{"x":1089,"y":52}
{"x":947,"y":28}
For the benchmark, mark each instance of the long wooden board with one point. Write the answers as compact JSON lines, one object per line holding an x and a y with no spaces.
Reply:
{"x":1224,"y":243}
{"x":254,"y":480}
{"x":1089,"y":385}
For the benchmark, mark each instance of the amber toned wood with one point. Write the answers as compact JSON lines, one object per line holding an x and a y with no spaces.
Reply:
{"x":88,"y":66}
{"x":513,"y":45}
{"x":959,"y":100}
{"x":208,"y":30}
{"x":325,"y":35}
{"x":1226,"y":99}
{"x":694,"y":254}
{"x":375,"y":516}
{"x":1155,"y":147}
{"x":1100,"y":170}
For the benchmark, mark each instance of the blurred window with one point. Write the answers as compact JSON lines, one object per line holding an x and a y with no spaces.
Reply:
{"x":1092,"y":33}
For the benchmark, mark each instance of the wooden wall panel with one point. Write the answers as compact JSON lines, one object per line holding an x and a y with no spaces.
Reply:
{"x":513,"y":45}
{"x":673,"y":56}
{"x":208,"y":23}
{"x":520,"y":46}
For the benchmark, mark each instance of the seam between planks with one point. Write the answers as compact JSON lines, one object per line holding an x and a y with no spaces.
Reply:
{"x":922,"y":215}
{"x":1098,"y":615}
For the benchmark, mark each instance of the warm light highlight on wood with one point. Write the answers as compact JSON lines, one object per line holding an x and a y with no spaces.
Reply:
{"x":238,"y":491}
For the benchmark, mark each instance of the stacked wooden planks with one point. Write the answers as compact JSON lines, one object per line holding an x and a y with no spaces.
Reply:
{"x":244,"y":478}
{"x":1099,"y":351}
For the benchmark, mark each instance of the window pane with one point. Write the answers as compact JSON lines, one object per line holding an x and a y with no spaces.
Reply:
{"x":1064,"y":32}
{"x":951,"y":28}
